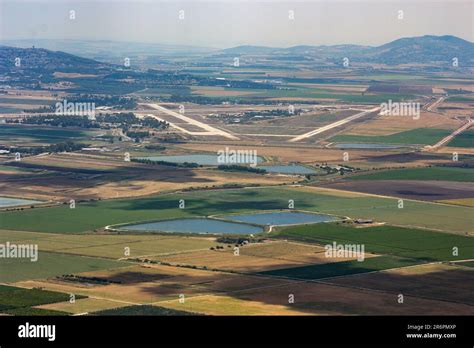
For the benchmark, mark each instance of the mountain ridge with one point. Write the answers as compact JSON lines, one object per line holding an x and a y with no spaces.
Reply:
{"x":419,"y":49}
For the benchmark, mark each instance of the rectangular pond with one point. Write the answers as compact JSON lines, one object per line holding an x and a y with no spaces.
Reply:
{"x":281,"y":218}
{"x":201,"y":159}
{"x":6,"y":202}
{"x":288,"y":169}
{"x":198,"y":225}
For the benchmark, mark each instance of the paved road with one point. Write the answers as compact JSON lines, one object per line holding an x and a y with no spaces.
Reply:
{"x":333,"y":125}
{"x":435,"y":104}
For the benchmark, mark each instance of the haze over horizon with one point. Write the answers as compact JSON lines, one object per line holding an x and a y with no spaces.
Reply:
{"x":224,"y":24}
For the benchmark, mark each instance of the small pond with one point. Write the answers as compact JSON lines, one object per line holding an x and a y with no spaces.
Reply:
{"x":15,"y":202}
{"x":201,"y":159}
{"x":288,"y":169}
{"x":198,"y":225}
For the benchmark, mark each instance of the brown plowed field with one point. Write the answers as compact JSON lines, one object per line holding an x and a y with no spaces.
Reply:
{"x":411,"y":189}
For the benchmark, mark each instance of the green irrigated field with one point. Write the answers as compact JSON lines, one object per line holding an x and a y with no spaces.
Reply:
{"x":419,"y":136}
{"x":19,"y":301}
{"x":16,"y":169}
{"x":93,"y":215}
{"x":39,"y":133}
{"x":422,"y":245}
{"x":431,"y":173}
{"x":459,"y":98}
{"x":51,"y":265}
{"x":465,"y":139}
{"x":108,"y":246}
{"x":467,"y":263}
{"x":401,"y":247}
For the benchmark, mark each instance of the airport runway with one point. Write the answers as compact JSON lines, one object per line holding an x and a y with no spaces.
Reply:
{"x":333,"y":125}
{"x":447,"y":139}
{"x":209,"y":129}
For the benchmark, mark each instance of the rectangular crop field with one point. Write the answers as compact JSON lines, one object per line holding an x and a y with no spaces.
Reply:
{"x":420,"y":136}
{"x":431,"y":173}
{"x":422,"y":245}
{"x":93,"y":215}
{"x":51,"y":265}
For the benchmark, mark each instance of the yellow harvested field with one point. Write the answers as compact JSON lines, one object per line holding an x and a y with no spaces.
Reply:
{"x":290,"y":154}
{"x":226,"y":305}
{"x":137,"y":284}
{"x":330,"y":191}
{"x":387,"y":125}
{"x":220,"y":293}
{"x":83,"y":305}
{"x":110,"y":246}
{"x":199,"y":178}
{"x":254,"y":257}
{"x":467,"y":202}
{"x":135,"y":179}
{"x":458,"y":150}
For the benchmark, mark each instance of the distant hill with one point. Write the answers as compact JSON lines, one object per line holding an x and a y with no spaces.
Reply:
{"x":109,"y":51}
{"x":421,"y":50}
{"x":251,"y":50}
{"x":424,"y":49}
{"x":427,"y":49}
{"x":42,"y":59}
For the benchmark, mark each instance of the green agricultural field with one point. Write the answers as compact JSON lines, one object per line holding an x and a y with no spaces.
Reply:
{"x":39,"y":133}
{"x":401,"y":247}
{"x":93,"y":215}
{"x":465,"y":139}
{"x":467,"y":264}
{"x":411,"y":243}
{"x":419,"y":136}
{"x":19,"y":301}
{"x":103,"y":86}
{"x":51,"y":265}
{"x":431,"y":173}
{"x":16,"y":169}
{"x":164,"y":91}
{"x":108,"y":246}
{"x":29,"y":311}
{"x":459,"y":98}
{"x":337,"y":269}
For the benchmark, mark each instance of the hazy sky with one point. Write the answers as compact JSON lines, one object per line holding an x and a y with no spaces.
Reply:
{"x":228,"y":23}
